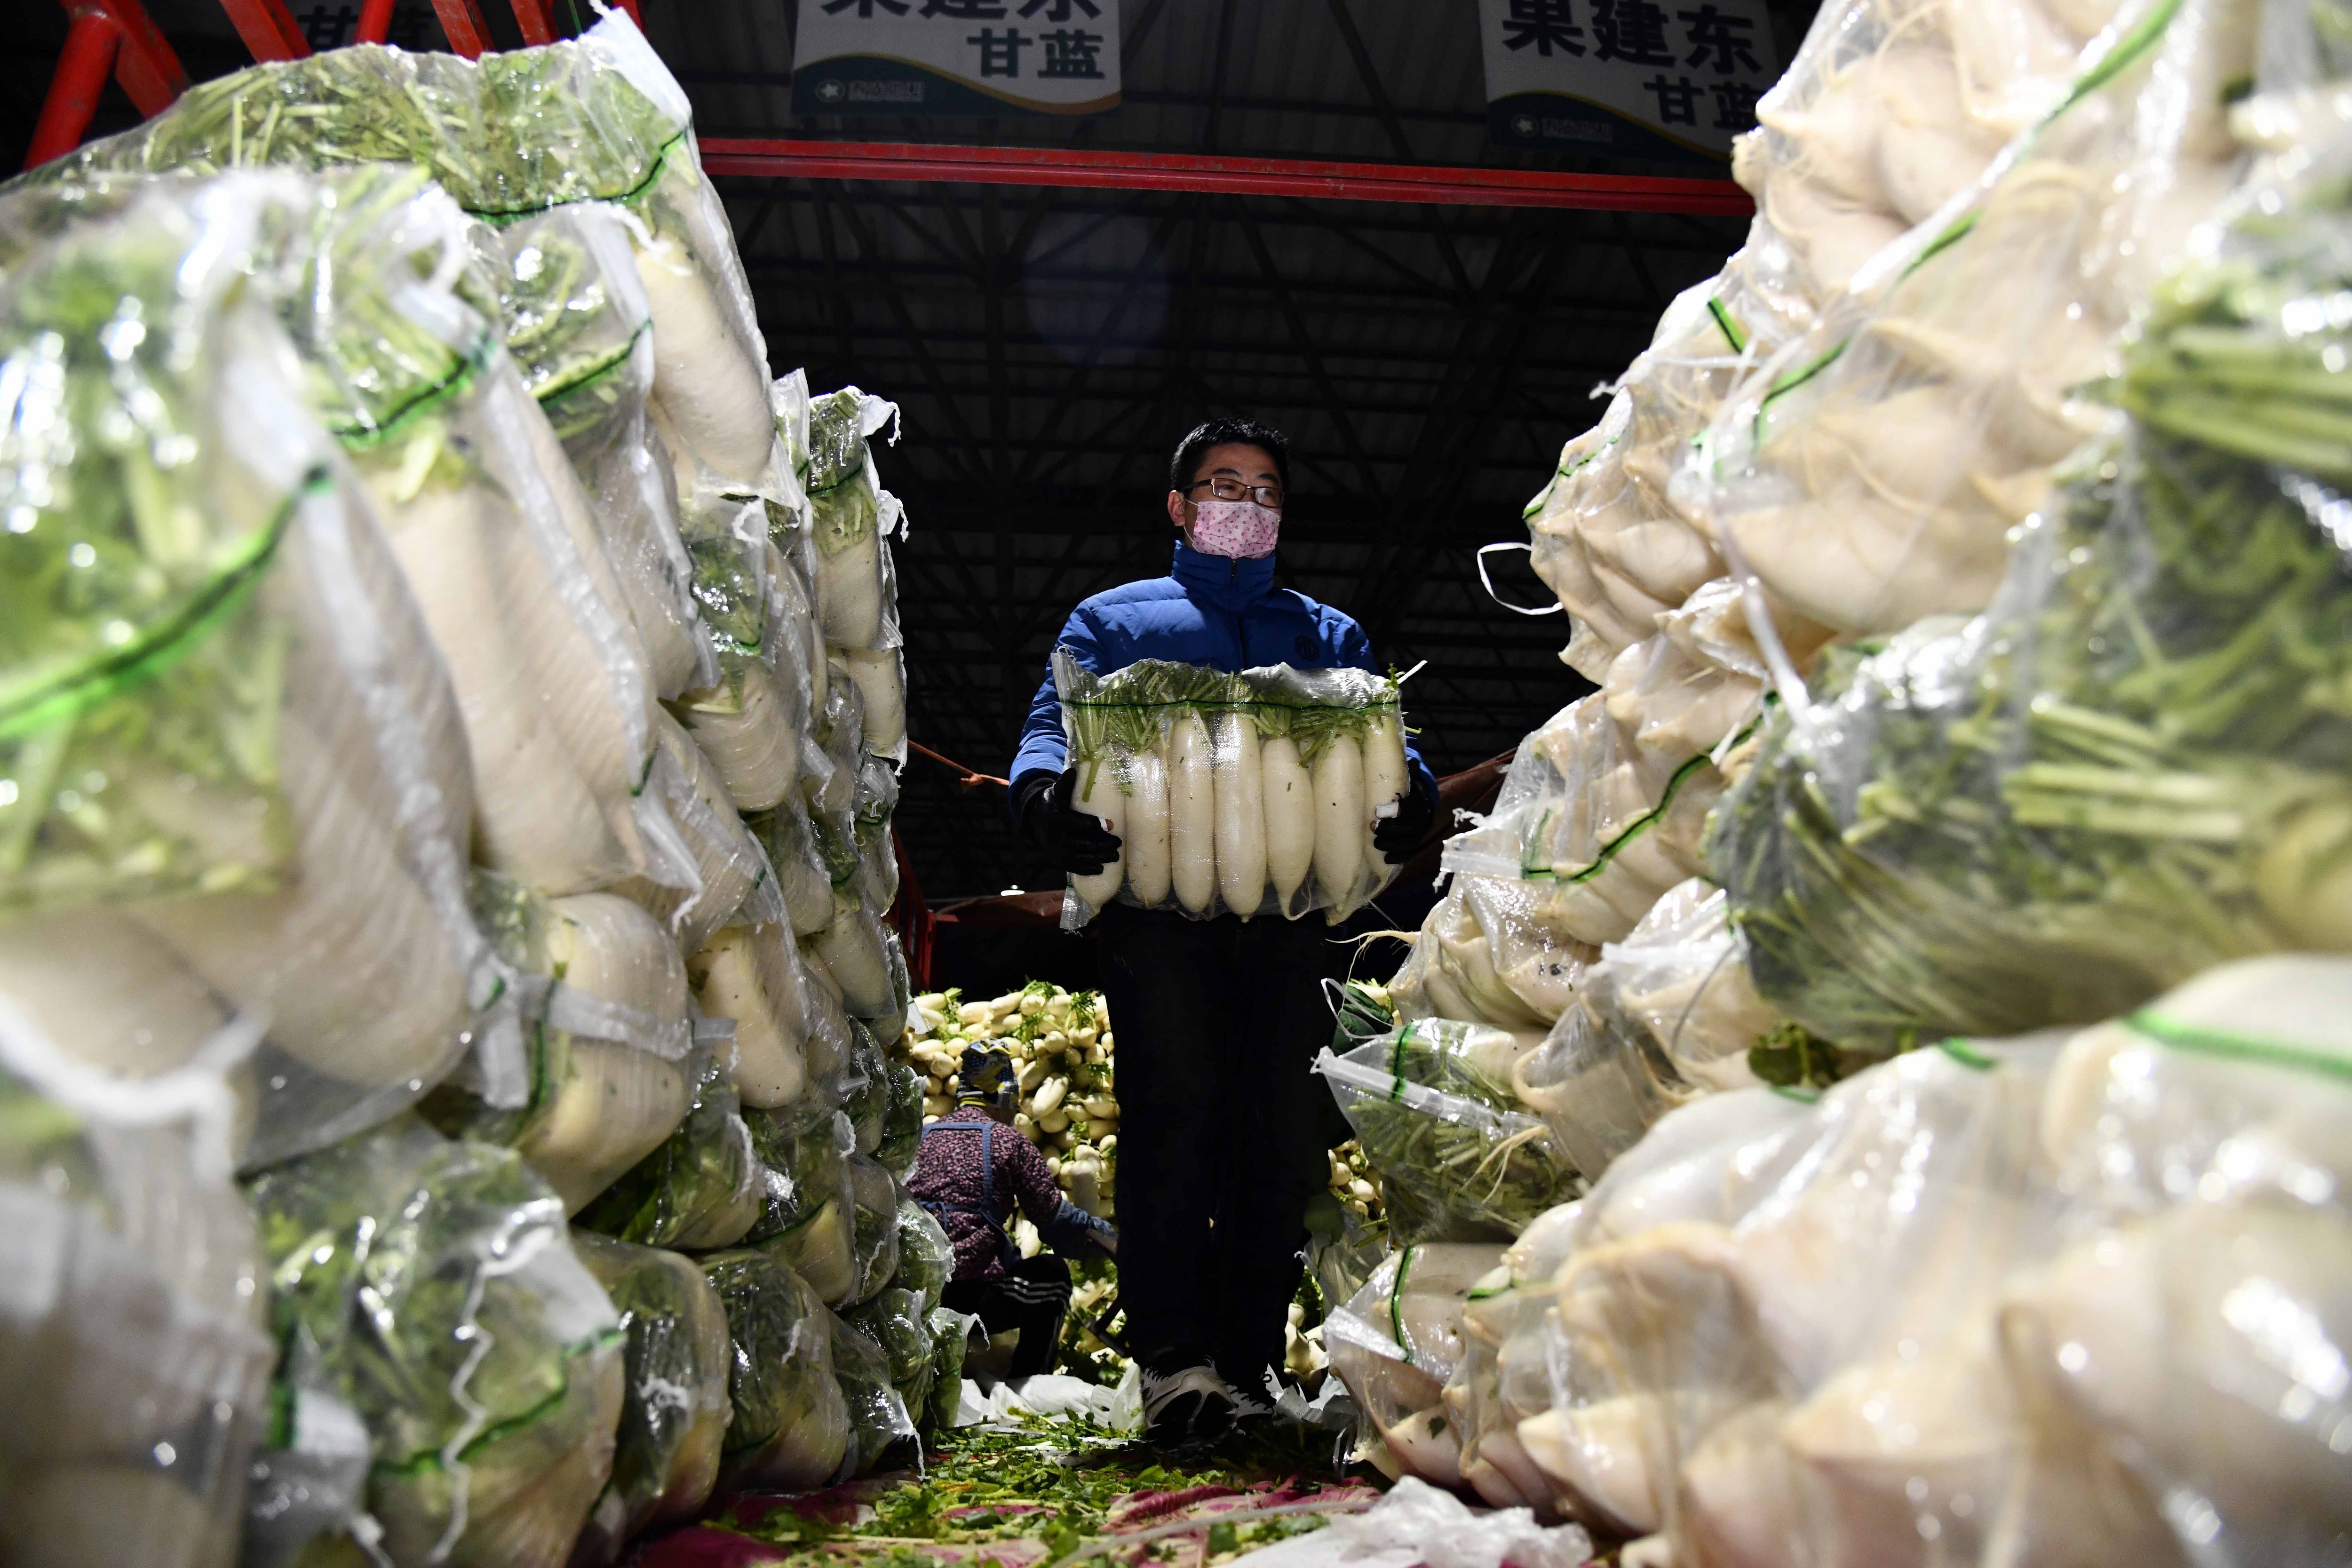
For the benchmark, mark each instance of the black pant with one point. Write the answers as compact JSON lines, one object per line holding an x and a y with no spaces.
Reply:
{"x":1220,"y":1127}
{"x":1031,"y":1295}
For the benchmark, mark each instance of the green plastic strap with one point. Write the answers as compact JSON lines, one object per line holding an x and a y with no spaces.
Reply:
{"x":495,"y":216}
{"x":591,"y":371}
{"x":2237,"y":1048}
{"x":150,"y":652}
{"x":1968,"y":1056}
{"x":1640,"y":824}
{"x":469,"y":364}
{"x":1801,"y":1096}
{"x":1729,"y":324}
{"x":1396,"y":1063}
{"x":431,"y":1459}
{"x":1396,"y":1304}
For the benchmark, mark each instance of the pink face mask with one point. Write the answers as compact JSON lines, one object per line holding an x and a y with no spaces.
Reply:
{"x":1242,"y":530}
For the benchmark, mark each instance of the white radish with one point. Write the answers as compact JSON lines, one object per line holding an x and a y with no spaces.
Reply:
{"x":1290,"y":802}
{"x":714,"y":396}
{"x":613,"y":1105}
{"x":610,"y":948}
{"x":1241,"y":815}
{"x":1385,"y":778}
{"x":1339,"y":817}
{"x":1099,"y":794}
{"x":749,"y":974}
{"x":1192,"y":812}
{"x":881,"y":680}
{"x":740,"y":724}
{"x":852,"y":950}
{"x":1146,"y":839}
{"x":723,"y":849}
{"x":849,"y":591}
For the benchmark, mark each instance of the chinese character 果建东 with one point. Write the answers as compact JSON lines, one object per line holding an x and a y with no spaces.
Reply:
{"x":1710,"y":33}
{"x":1677,"y":99}
{"x":1634,"y":31}
{"x":1546,"y":24}
{"x":1000,"y":55}
{"x":1071,"y":53}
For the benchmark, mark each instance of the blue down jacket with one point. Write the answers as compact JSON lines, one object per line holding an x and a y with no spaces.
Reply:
{"x":1227,"y":614}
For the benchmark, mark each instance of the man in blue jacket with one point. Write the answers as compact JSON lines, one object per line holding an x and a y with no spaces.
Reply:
{"x":1217,"y":1020}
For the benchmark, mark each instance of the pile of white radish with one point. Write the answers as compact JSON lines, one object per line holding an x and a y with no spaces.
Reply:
{"x":1246,"y":795}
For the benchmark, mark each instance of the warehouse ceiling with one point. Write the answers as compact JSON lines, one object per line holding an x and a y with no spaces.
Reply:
{"x":1049,"y":346}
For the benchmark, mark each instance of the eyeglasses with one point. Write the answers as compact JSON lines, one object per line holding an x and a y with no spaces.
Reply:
{"x":1233,"y":489}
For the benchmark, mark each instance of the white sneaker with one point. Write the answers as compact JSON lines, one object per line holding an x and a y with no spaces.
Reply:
{"x":1191,"y":1404}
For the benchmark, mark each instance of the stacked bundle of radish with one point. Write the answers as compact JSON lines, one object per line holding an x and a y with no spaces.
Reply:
{"x":1250,"y":795}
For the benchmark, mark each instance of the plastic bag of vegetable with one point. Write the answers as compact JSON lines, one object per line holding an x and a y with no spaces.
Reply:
{"x":237,"y":781}
{"x":703,"y":1188}
{"x":600,"y":991}
{"x":675,"y":1417}
{"x":731,"y":866}
{"x":874,"y":1198}
{"x":855,"y":517}
{"x":2127,"y":770}
{"x":865,"y":1088}
{"x":879,"y":1421}
{"x":1460,"y":1158}
{"x":1868,"y":474}
{"x":802,"y":877}
{"x":596,"y":118}
{"x":950,"y":1337}
{"x":1246,"y":794}
{"x":576,"y":319}
{"x":431,"y":1286}
{"x":902,"y":1122}
{"x":808,"y":1213}
{"x":1483,"y":956}
{"x":1395,"y":1345}
{"x":750,"y":718}
{"x":1683,"y":976}
{"x":791,"y":1429}
{"x":134,"y":1363}
{"x":861,"y":956}
{"x":754,"y":975}
{"x":925,"y":1258}
{"x":894,"y":1320}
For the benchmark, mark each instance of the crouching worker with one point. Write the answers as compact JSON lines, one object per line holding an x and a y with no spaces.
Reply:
{"x":974,"y":1167}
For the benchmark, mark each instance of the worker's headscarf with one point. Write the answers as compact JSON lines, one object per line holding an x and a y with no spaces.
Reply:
{"x":987,"y":1077}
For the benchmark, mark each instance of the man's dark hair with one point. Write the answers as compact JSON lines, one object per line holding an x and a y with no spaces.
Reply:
{"x":1217,"y":433}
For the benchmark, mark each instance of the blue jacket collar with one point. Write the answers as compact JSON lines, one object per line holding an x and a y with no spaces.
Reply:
{"x":1227,"y":583}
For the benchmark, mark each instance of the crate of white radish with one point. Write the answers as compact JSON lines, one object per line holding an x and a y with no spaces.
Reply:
{"x":1249,"y":794}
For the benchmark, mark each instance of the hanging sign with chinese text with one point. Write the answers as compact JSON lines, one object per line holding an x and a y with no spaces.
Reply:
{"x":956,"y":56}
{"x":1672,"y":79}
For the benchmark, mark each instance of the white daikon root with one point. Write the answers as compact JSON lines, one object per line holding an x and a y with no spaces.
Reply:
{"x":1340,"y":816}
{"x":711,"y":393}
{"x":849,"y":591}
{"x":108,"y":992}
{"x":612,"y":1105}
{"x":881,"y":680}
{"x":1192,"y":812}
{"x":852,"y":953}
{"x":610,"y":948}
{"x":1240,"y":786}
{"x":744,"y":726}
{"x":1385,"y":779}
{"x":752,"y":975}
{"x":1147,"y":837}
{"x":1289,"y":800}
{"x":1099,"y":794}
{"x":726,"y":857}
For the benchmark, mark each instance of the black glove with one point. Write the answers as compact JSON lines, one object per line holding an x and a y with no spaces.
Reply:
{"x":1075,"y":841}
{"x":1396,"y":837}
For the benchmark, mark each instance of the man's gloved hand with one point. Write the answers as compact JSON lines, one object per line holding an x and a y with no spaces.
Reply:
{"x":1396,"y":837}
{"x":1075,"y":841}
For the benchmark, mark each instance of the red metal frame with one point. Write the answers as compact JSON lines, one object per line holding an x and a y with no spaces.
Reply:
{"x":461,"y":21}
{"x":105,"y":35}
{"x":376,"y":22}
{"x":1445,"y":186}
{"x":267,"y":28}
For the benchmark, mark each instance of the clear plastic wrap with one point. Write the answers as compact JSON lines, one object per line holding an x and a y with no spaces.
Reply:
{"x":596,"y":118}
{"x":134,"y":1362}
{"x":1248,"y":795}
{"x":926,"y":1258}
{"x":854,"y":519}
{"x":236,"y":773}
{"x":894,"y":1319}
{"x":1396,"y":1344}
{"x":878,"y":1420}
{"x":1482,"y":956}
{"x":431,"y":1287}
{"x":675,"y":1417}
{"x":785,"y":1032}
{"x":600,"y":991}
{"x":1868,"y":473}
{"x":791,"y":1429}
{"x":862,"y":958}
{"x":1460,"y":1158}
{"x":749,"y":721}
{"x":902,"y":1122}
{"x":729,"y":862}
{"x":703,"y":1188}
{"x":865,"y":1088}
{"x":950,"y":1337}
{"x":802,"y":878}
{"x":576,"y":319}
{"x":2130,"y":767}
{"x":808,"y":1216}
